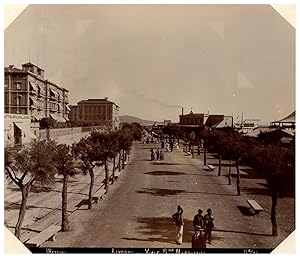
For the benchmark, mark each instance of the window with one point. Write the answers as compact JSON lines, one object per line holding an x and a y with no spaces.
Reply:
{"x":18,"y":100}
{"x":18,"y":85}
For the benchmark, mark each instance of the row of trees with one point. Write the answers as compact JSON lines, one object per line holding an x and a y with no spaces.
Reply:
{"x":38,"y":162}
{"x":266,"y":154}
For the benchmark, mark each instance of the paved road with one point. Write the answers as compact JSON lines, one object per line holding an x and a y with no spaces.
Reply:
{"x":137,"y":211}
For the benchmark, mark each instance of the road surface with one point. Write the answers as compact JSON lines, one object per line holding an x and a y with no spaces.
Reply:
{"x":137,"y":211}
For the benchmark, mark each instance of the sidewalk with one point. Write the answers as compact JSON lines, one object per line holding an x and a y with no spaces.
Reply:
{"x":44,"y":207}
{"x":256,"y":229}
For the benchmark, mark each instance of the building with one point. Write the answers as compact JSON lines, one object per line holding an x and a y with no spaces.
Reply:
{"x":191,"y":119}
{"x":27,"y":92}
{"x":17,"y":129}
{"x":288,"y":122}
{"x":97,"y":111}
{"x":211,"y":121}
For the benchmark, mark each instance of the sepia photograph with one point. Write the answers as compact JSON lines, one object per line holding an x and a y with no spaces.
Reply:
{"x":150,"y":128}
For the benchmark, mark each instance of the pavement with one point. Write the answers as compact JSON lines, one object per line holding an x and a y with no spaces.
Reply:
{"x":138,"y":208}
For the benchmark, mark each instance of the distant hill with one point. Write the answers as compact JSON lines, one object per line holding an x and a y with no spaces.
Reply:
{"x":132,"y":119}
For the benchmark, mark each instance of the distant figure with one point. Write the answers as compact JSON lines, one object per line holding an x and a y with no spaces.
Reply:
{"x":152,"y":154}
{"x":167,"y":147}
{"x":152,"y":139}
{"x":147,"y":140}
{"x":208,"y":225}
{"x":198,"y":221}
{"x":162,"y":144}
{"x":177,"y":216}
{"x":162,"y":155}
{"x":157,"y":154}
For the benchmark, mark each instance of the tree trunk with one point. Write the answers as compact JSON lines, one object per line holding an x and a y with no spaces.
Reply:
{"x":229,"y":173}
{"x":273,"y":212}
{"x":119,"y":161}
{"x":237,"y":178}
{"x":205,"y":156}
{"x":192,"y":151}
{"x":25,"y":192}
{"x":65,"y":225}
{"x":106,"y":176}
{"x":198,"y":149}
{"x":220,"y":165}
{"x":123,"y":159}
{"x":114,"y":167}
{"x":91,"y":172}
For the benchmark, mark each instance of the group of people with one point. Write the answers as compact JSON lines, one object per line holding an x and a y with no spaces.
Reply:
{"x":203,"y":226}
{"x":157,"y":155}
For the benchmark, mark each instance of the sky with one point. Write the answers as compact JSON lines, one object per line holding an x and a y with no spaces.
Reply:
{"x":152,"y":59}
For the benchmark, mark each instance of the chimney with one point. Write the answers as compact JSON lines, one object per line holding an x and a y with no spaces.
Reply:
{"x":182,"y":110}
{"x":106,"y":98}
{"x":10,"y":67}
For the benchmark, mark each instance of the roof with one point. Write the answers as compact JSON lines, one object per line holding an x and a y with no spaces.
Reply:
{"x":13,"y":69}
{"x":96,"y":101}
{"x":289,"y":119}
{"x":259,"y":130}
{"x":31,"y":64}
{"x":224,"y":123}
{"x":214,"y":120}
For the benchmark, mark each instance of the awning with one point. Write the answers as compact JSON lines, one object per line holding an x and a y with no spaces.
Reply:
{"x":54,"y":93}
{"x":35,"y":103}
{"x":68,"y":108}
{"x":25,"y":131}
{"x":57,"y":118}
{"x":33,"y":86}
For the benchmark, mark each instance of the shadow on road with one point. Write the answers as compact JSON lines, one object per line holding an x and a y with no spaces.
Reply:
{"x":256,"y":191}
{"x":161,"y":230}
{"x":245,"y":210}
{"x":160,"y":192}
{"x":241,"y":232}
{"x":164,"y":173}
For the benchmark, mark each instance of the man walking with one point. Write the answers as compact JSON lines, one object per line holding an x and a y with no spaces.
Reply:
{"x":208,"y":225}
{"x":198,"y":221}
{"x":177,"y":216}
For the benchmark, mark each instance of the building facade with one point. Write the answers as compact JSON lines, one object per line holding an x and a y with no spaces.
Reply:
{"x":191,"y":119}
{"x":98,"y":111}
{"x":27,"y":92}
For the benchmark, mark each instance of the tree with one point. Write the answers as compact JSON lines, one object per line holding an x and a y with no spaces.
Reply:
{"x":26,"y":165}
{"x":125,"y":142}
{"x":106,"y":147}
{"x":135,"y":130}
{"x":66,"y":166}
{"x":47,"y":123}
{"x":85,"y":150}
{"x":235,"y":151}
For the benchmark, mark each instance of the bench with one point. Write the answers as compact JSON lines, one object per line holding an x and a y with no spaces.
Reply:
{"x":47,"y":234}
{"x":255,"y":206}
{"x":211,"y":167}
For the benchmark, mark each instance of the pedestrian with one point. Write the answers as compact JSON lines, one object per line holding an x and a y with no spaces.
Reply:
{"x":157,"y":154}
{"x":198,"y":221}
{"x":161,"y":155}
{"x":177,"y":216}
{"x":152,"y":154}
{"x":162,"y":144}
{"x":198,"y":238}
{"x":208,"y":225}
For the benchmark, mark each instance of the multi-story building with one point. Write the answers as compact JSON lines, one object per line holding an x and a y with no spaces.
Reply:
{"x":191,"y":119}
{"x":27,"y":92}
{"x":98,"y":111}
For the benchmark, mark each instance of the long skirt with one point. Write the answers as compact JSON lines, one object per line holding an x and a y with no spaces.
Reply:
{"x":179,"y":234}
